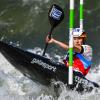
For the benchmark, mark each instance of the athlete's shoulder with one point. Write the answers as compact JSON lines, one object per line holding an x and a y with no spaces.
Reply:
{"x":87,"y":52}
{"x":87,"y":48}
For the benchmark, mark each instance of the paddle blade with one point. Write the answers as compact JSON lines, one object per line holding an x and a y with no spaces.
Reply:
{"x":55,"y":15}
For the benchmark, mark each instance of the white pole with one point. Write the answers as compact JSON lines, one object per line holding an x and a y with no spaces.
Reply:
{"x":70,"y":78}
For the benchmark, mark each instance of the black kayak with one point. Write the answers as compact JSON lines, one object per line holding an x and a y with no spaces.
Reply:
{"x":42,"y":69}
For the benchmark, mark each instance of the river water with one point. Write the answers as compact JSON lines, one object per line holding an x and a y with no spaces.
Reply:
{"x":20,"y":22}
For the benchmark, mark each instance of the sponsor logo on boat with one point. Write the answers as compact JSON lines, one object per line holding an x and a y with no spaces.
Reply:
{"x":44,"y":65}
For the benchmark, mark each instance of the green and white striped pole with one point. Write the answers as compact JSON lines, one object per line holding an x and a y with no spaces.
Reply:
{"x":81,"y":14}
{"x":70,"y":76}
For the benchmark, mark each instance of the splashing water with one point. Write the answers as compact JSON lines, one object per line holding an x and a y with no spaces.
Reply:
{"x":15,"y":86}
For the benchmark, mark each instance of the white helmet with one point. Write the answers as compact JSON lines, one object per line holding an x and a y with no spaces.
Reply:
{"x":77,"y":32}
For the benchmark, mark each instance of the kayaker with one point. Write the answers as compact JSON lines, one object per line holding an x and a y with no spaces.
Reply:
{"x":82,"y":52}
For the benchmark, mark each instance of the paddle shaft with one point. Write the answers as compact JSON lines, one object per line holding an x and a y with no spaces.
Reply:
{"x":49,"y":36}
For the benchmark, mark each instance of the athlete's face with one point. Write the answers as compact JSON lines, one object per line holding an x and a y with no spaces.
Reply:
{"x":78,"y":41}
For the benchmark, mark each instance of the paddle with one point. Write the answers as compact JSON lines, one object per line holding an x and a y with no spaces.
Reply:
{"x":55,"y":16}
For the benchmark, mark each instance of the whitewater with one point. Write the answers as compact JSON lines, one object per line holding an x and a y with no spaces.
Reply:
{"x":20,"y":20}
{"x":15,"y":86}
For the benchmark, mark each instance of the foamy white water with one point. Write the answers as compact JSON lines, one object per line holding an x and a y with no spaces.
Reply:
{"x":15,"y":86}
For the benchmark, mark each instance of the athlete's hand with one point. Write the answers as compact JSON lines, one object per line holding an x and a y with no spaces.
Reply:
{"x":49,"y":40}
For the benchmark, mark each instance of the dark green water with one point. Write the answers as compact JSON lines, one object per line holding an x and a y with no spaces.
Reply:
{"x":27,"y":21}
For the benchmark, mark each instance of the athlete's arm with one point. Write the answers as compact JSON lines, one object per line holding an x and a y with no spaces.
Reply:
{"x":77,"y":48}
{"x":61,"y":44}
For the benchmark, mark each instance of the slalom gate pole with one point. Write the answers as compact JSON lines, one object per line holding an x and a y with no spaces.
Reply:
{"x":81,"y":14}
{"x":71,"y":23}
{"x":70,"y":76}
